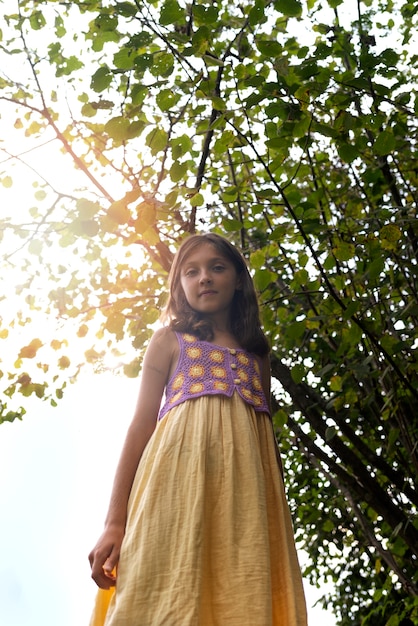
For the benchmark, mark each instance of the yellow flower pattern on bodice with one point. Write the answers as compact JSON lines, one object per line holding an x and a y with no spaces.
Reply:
{"x":204,"y":368}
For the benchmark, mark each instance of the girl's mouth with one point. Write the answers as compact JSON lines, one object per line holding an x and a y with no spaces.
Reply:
{"x":208,"y":292}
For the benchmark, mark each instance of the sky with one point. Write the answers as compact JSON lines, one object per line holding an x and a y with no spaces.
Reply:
{"x":56,"y":472}
{"x":56,"y":469}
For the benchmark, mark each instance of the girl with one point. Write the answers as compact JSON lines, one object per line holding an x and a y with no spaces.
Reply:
{"x":198,"y":528}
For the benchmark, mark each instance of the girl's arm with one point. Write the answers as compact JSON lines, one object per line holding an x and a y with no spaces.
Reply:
{"x":158,"y":360}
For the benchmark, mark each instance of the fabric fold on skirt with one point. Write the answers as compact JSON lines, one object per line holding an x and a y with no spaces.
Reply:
{"x":209,"y":539}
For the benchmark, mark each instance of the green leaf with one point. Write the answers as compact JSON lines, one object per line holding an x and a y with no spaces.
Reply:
{"x":68,"y":66}
{"x":263,"y":278}
{"x":351,"y":337}
{"x":390,"y":57}
{"x":157,"y":140}
{"x":166,"y":99}
{"x":118,"y":128}
{"x":125,"y":58}
{"x":269,"y":48}
{"x":127,"y":9}
{"x":205,"y":14}
{"x":87,"y":110}
{"x":142,"y":62}
{"x":328,"y":524}
{"x":197,"y":200}
{"x":162,"y":65}
{"x":296,"y":330}
{"x":385,"y":143}
{"x":101,"y":79}
{"x":298,"y":373}
{"x":290,"y":8}
{"x":352,"y":309}
{"x":171,"y":198}
{"x":344,"y":251}
{"x":105,"y":22}
{"x":279,"y":109}
{"x":140,"y":40}
{"x":178,"y":171}
{"x":231,"y":225}
{"x":375,"y":268}
{"x":302,"y":126}
{"x":37,"y":20}
{"x":257,"y":13}
{"x":171,"y":12}
{"x":391,"y":232}
{"x":348,"y":153}
{"x":180,"y":146}
{"x":280,"y":418}
{"x":200,"y":40}
{"x":257,"y":259}
{"x":224,"y":141}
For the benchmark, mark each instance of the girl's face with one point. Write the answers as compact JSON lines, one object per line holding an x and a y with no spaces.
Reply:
{"x":209,"y":281}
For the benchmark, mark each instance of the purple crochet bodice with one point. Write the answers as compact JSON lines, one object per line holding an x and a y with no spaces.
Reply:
{"x":204,"y":369}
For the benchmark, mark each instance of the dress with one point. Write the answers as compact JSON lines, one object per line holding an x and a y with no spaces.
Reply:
{"x":209,"y":539}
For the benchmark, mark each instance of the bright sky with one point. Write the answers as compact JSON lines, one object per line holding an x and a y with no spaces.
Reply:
{"x":56,"y":471}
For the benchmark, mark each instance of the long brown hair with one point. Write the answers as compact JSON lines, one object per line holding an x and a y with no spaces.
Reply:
{"x":244,"y":315}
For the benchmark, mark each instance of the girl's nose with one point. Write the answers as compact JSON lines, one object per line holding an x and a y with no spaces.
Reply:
{"x":205,"y":278}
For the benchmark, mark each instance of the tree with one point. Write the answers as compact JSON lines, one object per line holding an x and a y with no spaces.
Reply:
{"x":292,"y":127}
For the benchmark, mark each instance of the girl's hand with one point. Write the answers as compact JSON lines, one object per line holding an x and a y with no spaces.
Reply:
{"x":104,"y":558}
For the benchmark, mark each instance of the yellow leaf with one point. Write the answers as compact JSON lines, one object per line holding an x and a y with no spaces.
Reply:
{"x":92,"y":356}
{"x":7,"y":181}
{"x":64,"y":362}
{"x":83,"y":330}
{"x":151,"y":236}
{"x":146,"y":217}
{"x":119,"y":212}
{"x":29,"y":351}
{"x":336,"y":383}
{"x":24,"y":380}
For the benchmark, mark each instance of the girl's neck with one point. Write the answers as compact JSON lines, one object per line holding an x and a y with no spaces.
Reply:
{"x":224,"y":337}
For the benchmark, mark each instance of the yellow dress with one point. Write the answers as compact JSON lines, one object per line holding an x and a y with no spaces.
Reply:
{"x":209,"y":539}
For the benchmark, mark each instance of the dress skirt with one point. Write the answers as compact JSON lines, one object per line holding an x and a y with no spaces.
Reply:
{"x":209,"y":539}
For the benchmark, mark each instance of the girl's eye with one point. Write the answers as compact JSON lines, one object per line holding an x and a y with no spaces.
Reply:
{"x":190,"y":272}
{"x":218,"y":268}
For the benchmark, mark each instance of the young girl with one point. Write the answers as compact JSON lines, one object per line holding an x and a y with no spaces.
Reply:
{"x":198,"y":531}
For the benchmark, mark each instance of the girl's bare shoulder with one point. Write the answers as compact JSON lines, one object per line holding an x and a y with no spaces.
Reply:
{"x":164,"y":337}
{"x":163,"y":343}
